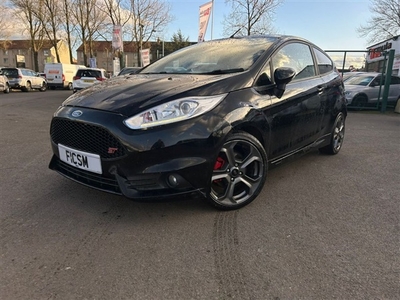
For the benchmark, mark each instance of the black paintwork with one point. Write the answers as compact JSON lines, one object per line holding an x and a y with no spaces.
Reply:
{"x":285,"y":122}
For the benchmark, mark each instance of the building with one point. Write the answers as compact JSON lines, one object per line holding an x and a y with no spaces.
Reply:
{"x":377,"y":55}
{"x":18,"y":53}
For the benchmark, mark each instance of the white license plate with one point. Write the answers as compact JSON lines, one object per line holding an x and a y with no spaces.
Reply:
{"x":82,"y":160}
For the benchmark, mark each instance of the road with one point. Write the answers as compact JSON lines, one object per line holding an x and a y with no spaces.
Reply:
{"x":324,"y":227}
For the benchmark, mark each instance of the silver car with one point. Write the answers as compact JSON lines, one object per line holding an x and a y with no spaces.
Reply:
{"x":25,"y":79}
{"x":4,"y":84}
{"x":365,"y":88}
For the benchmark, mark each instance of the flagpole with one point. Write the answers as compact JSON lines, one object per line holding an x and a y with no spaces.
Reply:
{"x":212,"y":19}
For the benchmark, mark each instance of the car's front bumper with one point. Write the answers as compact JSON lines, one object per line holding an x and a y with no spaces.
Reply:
{"x":164,"y":161}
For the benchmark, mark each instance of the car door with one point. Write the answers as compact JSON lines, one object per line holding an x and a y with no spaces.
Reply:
{"x":2,"y":82}
{"x":35,"y":79}
{"x":374,"y":89}
{"x":332,"y":92}
{"x":295,"y":117}
{"x":394,"y":90}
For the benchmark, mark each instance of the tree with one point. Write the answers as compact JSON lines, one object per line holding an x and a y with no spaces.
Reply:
{"x":68,"y":26}
{"x":28,"y":10}
{"x":119,"y":13}
{"x":6,"y":23}
{"x":178,"y":41}
{"x":384,"y":23}
{"x":51,"y":19}
{"x":88,"y":17}
{"x":250,"y":17}
{"x":149,"y":17}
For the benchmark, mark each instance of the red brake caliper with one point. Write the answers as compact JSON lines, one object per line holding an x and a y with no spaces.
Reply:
{"x":219,"y":163}
{"x":217,"y":166}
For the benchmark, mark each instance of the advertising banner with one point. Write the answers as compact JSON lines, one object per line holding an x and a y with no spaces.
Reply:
{"x":117,"y":38}
{"x":205,"y":12}
{"x":93,"y":62}
{"x":145,"y":57}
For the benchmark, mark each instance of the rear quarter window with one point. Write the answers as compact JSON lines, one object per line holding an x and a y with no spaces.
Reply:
{"x":324,"y":63}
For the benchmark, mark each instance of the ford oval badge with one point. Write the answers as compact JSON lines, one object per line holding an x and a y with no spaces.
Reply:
{"x":77,"y":113}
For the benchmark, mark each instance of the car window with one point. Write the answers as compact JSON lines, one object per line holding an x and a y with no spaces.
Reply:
{"x":324,"y":63}
{"x":395,"y":80}
{"x":297,"y":56}
{"x":361,"y":80}
{"x":10,"y":73}
{"x":89,"y":73}
{"x":377,"y":80}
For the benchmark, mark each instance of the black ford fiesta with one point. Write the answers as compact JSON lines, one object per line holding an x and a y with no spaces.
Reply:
{"x":210,"y":118}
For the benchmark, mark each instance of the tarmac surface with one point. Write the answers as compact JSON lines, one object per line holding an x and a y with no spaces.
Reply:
{"x":324,"y":227}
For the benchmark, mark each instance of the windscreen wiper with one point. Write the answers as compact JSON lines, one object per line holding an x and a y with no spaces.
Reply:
{"x":225,"y":71}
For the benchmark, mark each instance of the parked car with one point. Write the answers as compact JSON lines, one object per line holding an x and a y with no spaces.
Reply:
{"x":24,"y":79}
{"x":129,"y":70}
{"x":59,"y":75}
{"x":87,"y":77}
{"x":4,"y":84}
{"x":363,"y":89}
{"x":210,"y":118}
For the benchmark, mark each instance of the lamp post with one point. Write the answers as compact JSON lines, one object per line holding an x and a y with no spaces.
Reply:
{"x":140,"y":42}
{"x":162,"y":43}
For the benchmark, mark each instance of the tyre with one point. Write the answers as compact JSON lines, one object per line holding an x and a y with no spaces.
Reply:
{"x":6,"y":89}
{"x":70,"y":86}
{"x":239,"y":172}
{"x":28,"y":87}
{"x":359,"y":102}
{"x":44,"y":87}
{"x":337,"y":136}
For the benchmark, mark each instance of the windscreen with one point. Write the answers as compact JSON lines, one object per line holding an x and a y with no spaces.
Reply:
{"x":359,"y":80}
{"x":214,"y":57}
{"x":11,"y":73}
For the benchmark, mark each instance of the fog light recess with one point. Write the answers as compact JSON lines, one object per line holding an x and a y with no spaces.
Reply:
{"x":173,"y":181}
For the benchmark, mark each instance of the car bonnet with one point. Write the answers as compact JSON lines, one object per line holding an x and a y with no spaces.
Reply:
{"x":132,"y":94}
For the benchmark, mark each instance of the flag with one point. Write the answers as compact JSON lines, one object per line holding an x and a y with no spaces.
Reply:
{"x":145,"y":57}
{"x":205,"y":12}
{"x":117,"y":38}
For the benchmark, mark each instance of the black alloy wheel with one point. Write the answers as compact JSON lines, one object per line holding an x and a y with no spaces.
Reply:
{"x":337,"y":136}
{"x":239,"y":172}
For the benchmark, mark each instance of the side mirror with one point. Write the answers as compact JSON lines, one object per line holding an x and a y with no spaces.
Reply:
{"x":282,"y":77}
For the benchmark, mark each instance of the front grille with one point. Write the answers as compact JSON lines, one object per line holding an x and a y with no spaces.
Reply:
{"x":88,"y":178}
{"x":86,"y":137}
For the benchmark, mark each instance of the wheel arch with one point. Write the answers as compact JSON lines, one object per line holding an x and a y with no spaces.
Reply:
{"x":255,"y":124}
{"x":361,"y":94}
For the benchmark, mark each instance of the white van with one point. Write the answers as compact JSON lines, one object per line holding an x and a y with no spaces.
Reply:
{"x":60,"y":75}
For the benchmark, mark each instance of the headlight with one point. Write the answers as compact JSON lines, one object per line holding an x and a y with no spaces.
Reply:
{"x":174,"y":111}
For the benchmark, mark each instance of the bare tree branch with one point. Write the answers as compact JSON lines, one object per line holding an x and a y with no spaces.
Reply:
{"x":384,"y":23}
{"x":250,"y":16}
